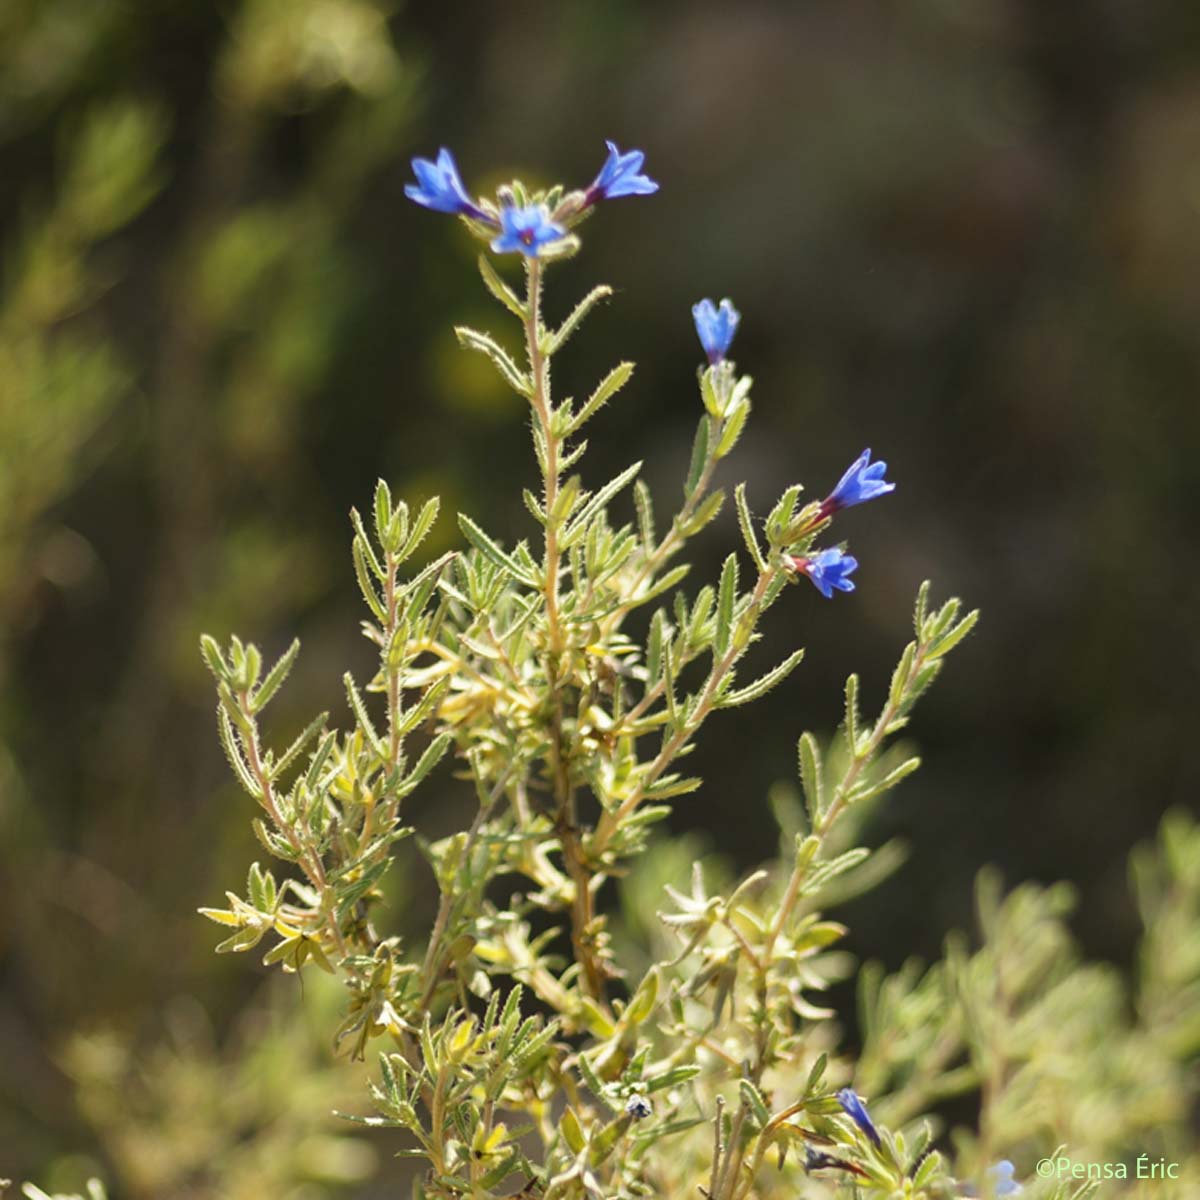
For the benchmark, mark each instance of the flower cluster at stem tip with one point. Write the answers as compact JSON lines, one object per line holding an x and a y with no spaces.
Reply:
{"x":516,"y":223}
{"x":526,"y":228}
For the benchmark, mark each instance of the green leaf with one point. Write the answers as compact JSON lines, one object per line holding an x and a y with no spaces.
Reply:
{"x":668,"y":680}
{"x":362,"y":559}
{"x":606,"y":389}
{"x":213,"y":657}
{"x":699,"y":457}
{"x":492,"y":551}
{"x":472,"y":339}
{"x":644,"y":999}
{"x":811,"y":777}
{"x":654,"y":644}
{"x":645,"y":514}
{"x":815,"y":1075}
{"x":594,"y":1083}
{"x":293,"y":752}
{"x":275,"y":843}
{"x":534,"y":505}
{"x":726,"y":601}
{"x":735,"y":422}
{"x":275,"y":677}
{"x":889,"y":781}
{"x":434,"y":753}
{"x":921,"y":608}
{"x":571,"y":1130}
{"x":261,"y":888}
{"x":671,"y":785}
{"x":948,"y":641}
{"x":421,"y":527}
{"x":383,"y":508}
{"x":498,"y":1174}
{"x":423,"y":709}
{"x":822,"y":873}
{"x":500,"y":289}
{"x":663,"y":584}
{"x":780,"y":517}
{"x":581,"y":310}
{"x":851,"y":725}
{"x":233,"y":753}
{"x":707,"y":512}
{"x":753,"y":1099}
{"x":312,"y":775}
{"x":367,"y":549}
{"x":671,"y":1078}
{"x":598,"y":501}
{"x":900,"y":676}
{"x":362,"y":717}
{"x":761,"y":686}
{"x":350,"y":894}
{"x":244,"y":939}
{"x":747,"y":526}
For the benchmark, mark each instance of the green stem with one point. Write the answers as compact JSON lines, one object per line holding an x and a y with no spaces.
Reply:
{"x":610,"y":821}
{"x":309,"y":862}
{"x":582,"y":913}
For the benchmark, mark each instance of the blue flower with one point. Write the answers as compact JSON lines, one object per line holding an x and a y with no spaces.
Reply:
{"x":440,"y":187}
{"x":1003,"y":1183}
{"x":525,"y":230}
{"x":715,"y":327}
{"x":620,"y":176}
{"x":829,"y":569}
{"x":863,"y":481}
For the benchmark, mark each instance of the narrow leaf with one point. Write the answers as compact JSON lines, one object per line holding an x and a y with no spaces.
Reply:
{"x":761,"y":686}
{"x":606,"y":389}
{"x":472,"y":339}
{"x":747,"y":526}
{"x":499,"y":288}
{"x":581,"y":310}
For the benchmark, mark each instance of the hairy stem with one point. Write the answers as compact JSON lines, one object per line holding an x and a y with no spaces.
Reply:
{"x":309,"y":862}
{"x":610,"y":822}
{"x":582,"y":914}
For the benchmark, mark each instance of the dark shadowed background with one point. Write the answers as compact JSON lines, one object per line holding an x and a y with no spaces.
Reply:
{"x":965,"y":233}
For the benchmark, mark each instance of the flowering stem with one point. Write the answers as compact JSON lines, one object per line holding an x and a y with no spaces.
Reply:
{"x":611,"y":820}
{"x":582,"y":915}
{"x":539,"y":371}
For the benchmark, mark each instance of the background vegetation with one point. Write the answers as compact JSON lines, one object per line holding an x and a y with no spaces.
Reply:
{"x":965,"y":234}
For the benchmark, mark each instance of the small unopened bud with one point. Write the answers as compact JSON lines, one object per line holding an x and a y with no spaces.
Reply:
{"x":638,"y":1107}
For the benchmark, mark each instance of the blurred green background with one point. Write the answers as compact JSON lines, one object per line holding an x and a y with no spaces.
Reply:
{"x":965,"y":233}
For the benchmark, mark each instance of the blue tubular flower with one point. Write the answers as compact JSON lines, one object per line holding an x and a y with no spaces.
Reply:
{"x":526,"y":230}
{"x":829,"y":569}
{"x":863,"y":481}
{"x":621,"y":175}
{"x":855,"y":1109}
{"x":1003,"y":1183}
{"x":715,"y":327}
{"x":440,"y":187}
